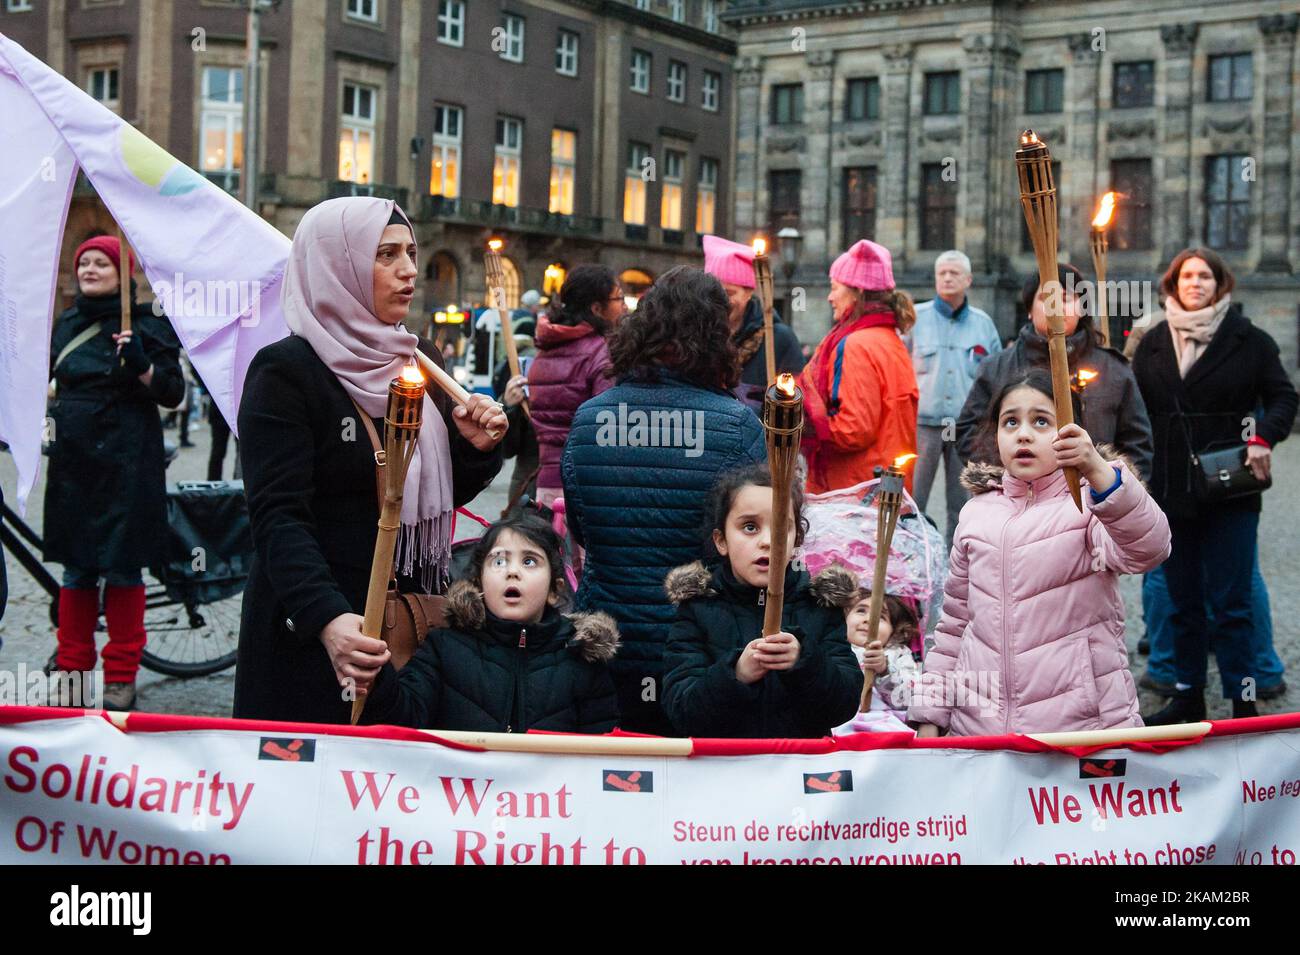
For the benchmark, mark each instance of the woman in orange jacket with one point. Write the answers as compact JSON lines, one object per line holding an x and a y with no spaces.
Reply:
{"x":860,"y":392}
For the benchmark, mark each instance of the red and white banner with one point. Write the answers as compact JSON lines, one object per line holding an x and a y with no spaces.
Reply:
{"x":77,"y":789}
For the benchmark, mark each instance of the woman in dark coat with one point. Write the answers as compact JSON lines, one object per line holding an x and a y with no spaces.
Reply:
{"x":640,"y":460}
{"x":309,"y":468}
{"x":1113,"y":410}
{"x":105,"y":497}
{"x":1204,"y":372}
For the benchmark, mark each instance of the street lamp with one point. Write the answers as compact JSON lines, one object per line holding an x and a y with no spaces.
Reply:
{"x":789,"y":240}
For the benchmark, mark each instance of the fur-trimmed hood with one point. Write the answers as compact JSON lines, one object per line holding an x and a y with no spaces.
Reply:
{"x":595,"y":635}
{"x":834,"y":586}
{"x":980,"y":477}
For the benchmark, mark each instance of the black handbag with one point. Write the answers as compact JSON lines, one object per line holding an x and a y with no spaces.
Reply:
{"x":1219,"y":471}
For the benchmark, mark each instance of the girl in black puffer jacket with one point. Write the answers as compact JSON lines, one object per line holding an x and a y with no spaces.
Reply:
{"x":724,"y":678}
{"x":508,"y":661}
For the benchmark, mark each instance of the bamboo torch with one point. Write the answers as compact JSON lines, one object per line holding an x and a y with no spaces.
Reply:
{"x":783,"y":422}
{"x":453,"y":388}
{"x":1099,"y":242}
{"x":496,"y":289}
{"x":889,"y":503}
{"x":401,"y":429}
{"x":763,"y":285}
{"x":1038,"y":198}
{"x":124,"y":277}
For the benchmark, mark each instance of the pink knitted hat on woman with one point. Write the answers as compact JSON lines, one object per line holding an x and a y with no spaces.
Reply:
{"x":867,"y":266}
{"x":729,"y":262}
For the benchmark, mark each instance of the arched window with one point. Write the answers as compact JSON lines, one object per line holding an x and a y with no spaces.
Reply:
{"x":444,"y":281}
{"x":510,"y":274}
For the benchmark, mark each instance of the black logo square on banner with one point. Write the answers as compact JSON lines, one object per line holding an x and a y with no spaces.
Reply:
{"x":287,"y":749}
{"x":1099,"y":768}
{"x":839,"y":781}
{"x":627,"y":781}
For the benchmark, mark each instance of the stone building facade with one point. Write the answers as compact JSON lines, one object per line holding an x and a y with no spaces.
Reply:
{"x":909,"y":113}
{"x":510,"y":118}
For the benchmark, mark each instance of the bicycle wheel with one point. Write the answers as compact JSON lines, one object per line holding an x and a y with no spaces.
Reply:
{"x":189,"y":640}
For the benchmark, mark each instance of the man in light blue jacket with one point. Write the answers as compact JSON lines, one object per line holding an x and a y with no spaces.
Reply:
{"x":949,"y":341}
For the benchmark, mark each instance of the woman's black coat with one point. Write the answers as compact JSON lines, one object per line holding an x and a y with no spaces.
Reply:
{"x":487,"y":674}
{"x":309,"y":473}
{"x":1237,"y":375}
{"x":106,"y":493}
{"x":718,"y":615}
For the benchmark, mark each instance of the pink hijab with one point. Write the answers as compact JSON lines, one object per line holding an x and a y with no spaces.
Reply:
{"x":328,"y":299}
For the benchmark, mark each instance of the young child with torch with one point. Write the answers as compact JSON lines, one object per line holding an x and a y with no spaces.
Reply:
{"x":508,"y":661}
{"x":723,"y":677}
{"x":888,"y":655}
{"x":1032,"y":634}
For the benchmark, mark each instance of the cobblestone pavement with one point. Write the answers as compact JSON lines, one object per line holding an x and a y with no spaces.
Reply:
{"x":28,"y":639}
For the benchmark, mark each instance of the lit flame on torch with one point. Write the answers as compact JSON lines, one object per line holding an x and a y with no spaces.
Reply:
{"x":496,"y":245}
{"x":785,"y":385}
{"x":903,"y":459}
{"x":1029,"y":138}
{"x":1086,"y":376}
{"x":760,"y":246}
{"x":1104,"y":211}
{"x":411,"y":375}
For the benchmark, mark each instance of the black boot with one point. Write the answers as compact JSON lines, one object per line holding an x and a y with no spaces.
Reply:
{"x":1186,"y":706}
{"x":1243,"y":708}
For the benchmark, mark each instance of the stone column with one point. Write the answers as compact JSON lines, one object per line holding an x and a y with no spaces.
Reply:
{"x":986,"y":207}
{"x":746,"y":188}
{"x":1275,"y":175}
{"x":896,"y":107}
{"x":1083,"y":143}
{"x":307,"y":94}
{"x":814,"y":200}
{"x":1174,"y":182}
{"x":154,"y":79}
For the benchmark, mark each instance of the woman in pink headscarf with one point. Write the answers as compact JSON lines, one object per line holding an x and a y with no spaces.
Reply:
{"x":309,"y":468}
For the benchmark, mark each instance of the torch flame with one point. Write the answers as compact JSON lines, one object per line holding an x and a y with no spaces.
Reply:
{"x":760,"y":246}
{"x":903,"y":459}
{"x":1029,"y":138}
{"x":496,"y":245}
{"x":1086,"y":375}
{"x":1104,"y":211}
{"x":411,"y":375}
{"x":785,"y":384}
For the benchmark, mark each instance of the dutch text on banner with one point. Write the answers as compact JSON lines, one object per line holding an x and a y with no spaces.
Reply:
{"x":76,"y":789}
{"x":215,"y":267}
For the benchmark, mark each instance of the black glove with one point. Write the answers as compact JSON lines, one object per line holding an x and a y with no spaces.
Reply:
{"x":133,"y":358}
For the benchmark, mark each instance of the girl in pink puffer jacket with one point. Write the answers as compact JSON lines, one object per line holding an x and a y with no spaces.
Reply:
{"x":1032,"y":634}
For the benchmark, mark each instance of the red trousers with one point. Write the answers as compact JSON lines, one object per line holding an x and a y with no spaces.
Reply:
{"x":78,"y":614}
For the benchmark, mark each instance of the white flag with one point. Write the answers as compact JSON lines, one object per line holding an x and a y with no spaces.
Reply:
{"x":215,"y":266}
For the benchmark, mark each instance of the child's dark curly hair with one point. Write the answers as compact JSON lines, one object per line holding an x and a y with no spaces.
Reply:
{"x":900,"y":614}
{"x":533,"y":528}
{"x":723,"y":495}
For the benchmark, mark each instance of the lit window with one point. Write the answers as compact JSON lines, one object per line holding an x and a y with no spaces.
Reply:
{"x":566,"y":53}
{"x":640,"y":71}
{"x":676,"y":81}
{"x":444,"y":178}
{"x":634,"y":186}
{"x":505,"y":168}
{"x":670,"y":205}
{"x":451,"y":22}
{"x":564,"y":157}
{"x":706,"y":196}
{"x":221,"y":125}
{"x":357,"y":133}
{"x":513,"y":28}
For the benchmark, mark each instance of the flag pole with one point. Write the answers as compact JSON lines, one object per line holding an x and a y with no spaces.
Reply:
{"x":124,"y":277}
